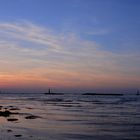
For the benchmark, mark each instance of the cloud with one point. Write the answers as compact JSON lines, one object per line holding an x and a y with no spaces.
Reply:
{"x":29,"y":32}
{"x":35,"y":53}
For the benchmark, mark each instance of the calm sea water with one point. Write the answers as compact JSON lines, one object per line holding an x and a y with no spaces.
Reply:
{"x":71,"y":117}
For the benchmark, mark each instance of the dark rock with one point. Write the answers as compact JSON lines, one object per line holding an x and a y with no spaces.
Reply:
{"x":29,"y":108}
{"x":18,"y":135}
{"x":31,"y":117}
{"x":9,"y":130}
{"x":5,"y":113}
{"x":10,"y":106}
{"x":14,"y":109}
{"x":12,"y":119}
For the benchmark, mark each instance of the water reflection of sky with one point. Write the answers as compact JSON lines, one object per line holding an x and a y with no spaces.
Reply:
{"x":68,"y":117}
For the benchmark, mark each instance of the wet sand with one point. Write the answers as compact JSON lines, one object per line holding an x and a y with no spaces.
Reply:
{"x":69,"y":117}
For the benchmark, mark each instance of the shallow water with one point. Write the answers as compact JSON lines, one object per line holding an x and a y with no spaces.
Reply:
{"x":71,"y":117}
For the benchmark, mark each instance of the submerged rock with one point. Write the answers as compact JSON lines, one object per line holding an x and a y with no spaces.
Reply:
{"x":14,"y":109}
{"x":5,"y":113}
{"x":18,"y":135}
{"x":9,"y":130}
{"x":1,"y":107}
{"x":31,"y":117}
{"x":12,"y":119}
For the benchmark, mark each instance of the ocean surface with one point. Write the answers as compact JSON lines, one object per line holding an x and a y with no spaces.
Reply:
{"x":70,"y":117}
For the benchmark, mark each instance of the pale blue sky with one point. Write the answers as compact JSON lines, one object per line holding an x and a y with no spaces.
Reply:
{"x":109,"y":22}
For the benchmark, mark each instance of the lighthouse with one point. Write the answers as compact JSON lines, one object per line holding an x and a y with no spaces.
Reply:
{"x":49,"y":91}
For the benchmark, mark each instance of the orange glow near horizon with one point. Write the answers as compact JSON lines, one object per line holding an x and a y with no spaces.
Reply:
{"x":32,"y":57}
{"x":64,"y":79}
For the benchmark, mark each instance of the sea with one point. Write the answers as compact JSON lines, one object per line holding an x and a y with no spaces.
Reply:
{"x":69,"y":116}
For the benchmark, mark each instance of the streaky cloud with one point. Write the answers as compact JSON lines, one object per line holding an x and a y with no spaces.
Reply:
{"x":39,"y":54}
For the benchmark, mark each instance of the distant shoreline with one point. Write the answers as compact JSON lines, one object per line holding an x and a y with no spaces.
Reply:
{"x":54,"y":93}
{"x":59,"y":93}
{"x":109,"y":94}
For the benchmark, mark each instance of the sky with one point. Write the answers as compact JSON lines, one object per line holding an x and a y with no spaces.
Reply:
{"x":70,"y":45}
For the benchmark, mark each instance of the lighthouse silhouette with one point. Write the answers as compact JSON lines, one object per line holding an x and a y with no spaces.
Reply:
{"x":49,"y":91}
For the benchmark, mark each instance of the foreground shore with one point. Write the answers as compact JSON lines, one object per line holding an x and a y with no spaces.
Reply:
{"x":69,"y":117}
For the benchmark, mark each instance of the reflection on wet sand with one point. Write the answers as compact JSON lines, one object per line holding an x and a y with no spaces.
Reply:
{"x":68,"y":117}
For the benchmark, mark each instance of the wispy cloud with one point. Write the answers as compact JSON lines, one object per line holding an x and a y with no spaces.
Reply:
{"x":35,"y":53}
{"x":29,"y":32}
